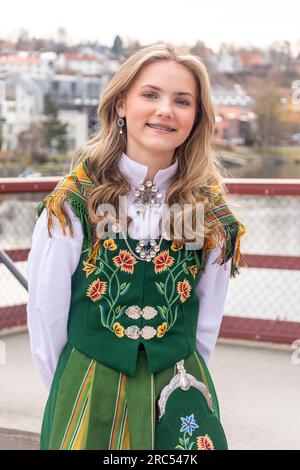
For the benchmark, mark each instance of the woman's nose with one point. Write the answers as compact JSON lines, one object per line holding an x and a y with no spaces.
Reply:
{"x":165,"y":108}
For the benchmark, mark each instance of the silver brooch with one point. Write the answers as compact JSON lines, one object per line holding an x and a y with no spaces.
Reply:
{"x":134,"y":332}
{"x":147,"y":196}
{"x":135,"y":312}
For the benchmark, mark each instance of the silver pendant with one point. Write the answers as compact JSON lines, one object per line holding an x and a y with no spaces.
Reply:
{"x":147,"y":253}
{"x":147,"y":196}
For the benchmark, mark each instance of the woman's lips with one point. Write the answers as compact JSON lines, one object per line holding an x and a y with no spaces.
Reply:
{"x":160,"y":131}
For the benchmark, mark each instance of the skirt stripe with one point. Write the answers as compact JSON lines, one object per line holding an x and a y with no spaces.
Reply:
{"x":79,"y":408}
{"x":153,"y":409}
{"x":126,"y":435}
{"x":119,"y":416}
{"x":80,"y":434}
{"x":203,"y":376}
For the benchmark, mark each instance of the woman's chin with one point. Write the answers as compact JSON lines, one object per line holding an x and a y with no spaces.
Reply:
{"x":159,"y":144}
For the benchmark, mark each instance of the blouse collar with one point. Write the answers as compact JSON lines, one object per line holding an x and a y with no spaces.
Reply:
{"x":136,"y":172}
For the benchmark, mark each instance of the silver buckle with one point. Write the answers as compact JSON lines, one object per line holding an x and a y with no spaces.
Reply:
{"x":184,"y":381}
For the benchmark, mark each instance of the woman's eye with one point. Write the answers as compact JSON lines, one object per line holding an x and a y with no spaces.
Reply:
{"x":184,"y":102}
{"x":148,"y":94}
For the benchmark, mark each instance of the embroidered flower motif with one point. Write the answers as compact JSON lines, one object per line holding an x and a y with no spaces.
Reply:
{"x":193,"y":270}
{"x":149,"y":312}
{"x":184,"y":289}
{"x":162,"y":261}
{"x":118,"y":329}
{"x":148,"y":332}
{"x":205,"y":443}
{"x":176,"y":246}
{"x":110,"y":244}
{"x":133,"y":332}
{"x":89,"y":268}
{"x":188,"y":424}
{"x":161,"y":330}
{"x":96,"y":289}
{"x":125,"y":260}
{"x":133,"y":312}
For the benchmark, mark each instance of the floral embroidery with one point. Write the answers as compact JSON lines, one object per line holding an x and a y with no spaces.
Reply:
{"x":125,"y":261}
{"x":193,"y":270}
{"x":161,"y":330}
{"x":162,"y":261}
{"x":176,"y":246}
{"x":118,"y":329}
{"x":110,"y":290}
{"x":96,"y":290}
{"x":89,"y":268}
{"x":184,"y":289}
{"x":172,"y":290}
{"x":205,"y":443}
{"x":171,"y":287}
{"x":188,"y":426}
{"x":90,"y":263}
{"x":110,"y":244}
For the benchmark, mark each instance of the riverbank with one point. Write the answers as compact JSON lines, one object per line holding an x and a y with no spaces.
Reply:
{"x":240,"y":161}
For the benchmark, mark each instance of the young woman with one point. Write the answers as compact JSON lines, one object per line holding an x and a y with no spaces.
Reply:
{"x":122,"y":327}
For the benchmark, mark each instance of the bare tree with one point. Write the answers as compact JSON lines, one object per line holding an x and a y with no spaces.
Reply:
{"x":269,"y":114}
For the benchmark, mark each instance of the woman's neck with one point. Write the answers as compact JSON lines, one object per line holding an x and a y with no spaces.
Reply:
{"x":153,"y":163}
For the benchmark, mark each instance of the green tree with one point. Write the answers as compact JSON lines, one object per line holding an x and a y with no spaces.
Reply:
{"x":118,"y":46}
{"x":55,"y":132}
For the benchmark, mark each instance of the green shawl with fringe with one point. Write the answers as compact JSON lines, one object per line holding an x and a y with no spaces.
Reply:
{"x":77,"y":186}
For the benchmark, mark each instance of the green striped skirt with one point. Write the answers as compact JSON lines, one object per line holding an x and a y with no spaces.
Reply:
{"x":91,"y":406}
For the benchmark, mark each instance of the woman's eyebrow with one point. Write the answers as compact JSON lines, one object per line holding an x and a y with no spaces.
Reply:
{"x":159,"y":89}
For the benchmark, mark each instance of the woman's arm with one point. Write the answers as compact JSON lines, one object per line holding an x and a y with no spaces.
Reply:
{"x":51,"y":264}
{"x":211,"y":289}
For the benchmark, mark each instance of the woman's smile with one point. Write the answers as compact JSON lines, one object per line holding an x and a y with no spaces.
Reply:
{"x":160,"y":130}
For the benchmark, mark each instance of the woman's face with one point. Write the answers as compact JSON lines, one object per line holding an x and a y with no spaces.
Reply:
{"x":170,"y":101}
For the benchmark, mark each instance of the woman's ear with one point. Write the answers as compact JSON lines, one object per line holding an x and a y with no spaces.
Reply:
{"x":120,"y":106}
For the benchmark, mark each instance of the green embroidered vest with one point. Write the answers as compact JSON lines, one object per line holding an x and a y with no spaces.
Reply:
{"x":119,"y":302}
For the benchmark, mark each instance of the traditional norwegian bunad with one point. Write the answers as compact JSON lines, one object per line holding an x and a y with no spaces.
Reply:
{"x":130,"y":374}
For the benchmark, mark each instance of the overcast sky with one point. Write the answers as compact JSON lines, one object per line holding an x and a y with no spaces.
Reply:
{"x":258,"y":22}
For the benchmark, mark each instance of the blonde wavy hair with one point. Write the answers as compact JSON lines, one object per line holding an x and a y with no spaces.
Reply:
{"x":198,"y":165}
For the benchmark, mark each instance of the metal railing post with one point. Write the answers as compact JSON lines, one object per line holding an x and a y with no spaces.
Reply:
{"x":15,"y":272}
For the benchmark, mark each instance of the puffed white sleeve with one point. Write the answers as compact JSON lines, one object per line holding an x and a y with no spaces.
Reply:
{"x":51,"y":263}
{"x":211,"y":289}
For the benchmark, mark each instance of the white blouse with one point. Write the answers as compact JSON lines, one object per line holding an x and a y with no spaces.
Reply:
{"x":53,"y":261}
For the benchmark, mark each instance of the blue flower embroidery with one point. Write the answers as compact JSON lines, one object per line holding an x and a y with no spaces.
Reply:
{"x":189,"y":424}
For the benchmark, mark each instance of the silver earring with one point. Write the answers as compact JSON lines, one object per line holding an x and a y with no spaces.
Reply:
{"x":120,"y":124}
